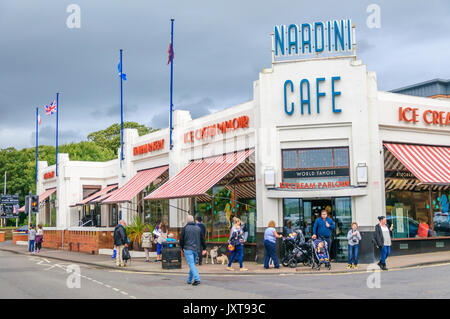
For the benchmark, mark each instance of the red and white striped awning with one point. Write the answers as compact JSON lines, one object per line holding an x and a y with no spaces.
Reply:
{"x":104,"y":196}
{"x":199,"y":176}
{"x":97,"y":194}
{"x":430,"y":164}
{"x":46,"y":194}
{"x":141,"y":180}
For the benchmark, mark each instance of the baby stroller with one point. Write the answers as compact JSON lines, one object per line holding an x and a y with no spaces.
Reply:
{"x":296,"y":251}
{"x":320,"y":258}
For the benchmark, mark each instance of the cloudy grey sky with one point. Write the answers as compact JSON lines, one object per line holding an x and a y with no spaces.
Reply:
{"x":220,"y":47}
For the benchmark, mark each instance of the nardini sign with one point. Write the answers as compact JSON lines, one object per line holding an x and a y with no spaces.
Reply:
{"x":311,"y":39}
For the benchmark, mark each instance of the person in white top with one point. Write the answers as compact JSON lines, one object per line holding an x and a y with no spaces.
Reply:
{"x":382,"y":240}
{"x":160,"y":235}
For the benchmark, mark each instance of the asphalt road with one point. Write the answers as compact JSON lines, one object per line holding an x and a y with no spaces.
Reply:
{"x":23,"y":276}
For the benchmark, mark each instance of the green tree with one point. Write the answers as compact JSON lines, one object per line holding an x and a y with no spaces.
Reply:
{"x":109,"y":138}
{"x":20,"y":165}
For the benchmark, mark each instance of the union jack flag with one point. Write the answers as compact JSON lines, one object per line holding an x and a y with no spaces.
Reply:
{"x":50,"y":109}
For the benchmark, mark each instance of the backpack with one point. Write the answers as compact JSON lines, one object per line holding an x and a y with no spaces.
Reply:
{"x":237,"y":238}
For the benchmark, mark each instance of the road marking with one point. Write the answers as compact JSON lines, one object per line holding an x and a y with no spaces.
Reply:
{"x":41,"y":260}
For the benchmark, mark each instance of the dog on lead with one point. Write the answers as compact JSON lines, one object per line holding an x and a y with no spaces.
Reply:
{"x":213,"y":253}
{"x":222,"y":259}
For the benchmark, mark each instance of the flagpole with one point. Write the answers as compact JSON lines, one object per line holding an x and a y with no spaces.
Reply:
{"x":57,"y":110}
{"x":121,"y":110}
{"x":37,"y":141}
{"x":171,"y":81}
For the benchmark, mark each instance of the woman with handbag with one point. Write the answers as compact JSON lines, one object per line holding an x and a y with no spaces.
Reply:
{"x":236,"y":243}
{"x":270,"y":240}
{"x":160,"y":236}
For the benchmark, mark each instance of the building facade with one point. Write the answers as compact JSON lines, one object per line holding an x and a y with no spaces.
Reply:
{"x":318,"y":134}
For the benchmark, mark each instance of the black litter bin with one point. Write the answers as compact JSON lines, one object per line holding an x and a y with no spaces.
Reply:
{"x":171,"y":255}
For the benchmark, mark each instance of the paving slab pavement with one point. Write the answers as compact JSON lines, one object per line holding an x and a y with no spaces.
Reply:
{"x":140,"y":265}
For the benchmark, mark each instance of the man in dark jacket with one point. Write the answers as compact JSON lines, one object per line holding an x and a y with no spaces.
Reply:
{"x":192,"y":243}
{"x":120,"y":241}
{"x":198,"y":220}
{"x":323,"y":228}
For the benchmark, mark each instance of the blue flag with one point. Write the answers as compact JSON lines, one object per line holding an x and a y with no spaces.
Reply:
{"x":123,"y":75}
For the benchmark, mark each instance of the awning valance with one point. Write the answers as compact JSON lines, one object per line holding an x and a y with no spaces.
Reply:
{"x":97,"y":194}
{"x":46,"y":194}
{"x":430,"y":164}
{"x":199,"y":176}
{"x":104,"y":196}
{"x":42,"y":197}
{"x":141,"y":180}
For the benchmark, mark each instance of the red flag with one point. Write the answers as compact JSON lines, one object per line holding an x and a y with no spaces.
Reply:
{"x":171,"y":54}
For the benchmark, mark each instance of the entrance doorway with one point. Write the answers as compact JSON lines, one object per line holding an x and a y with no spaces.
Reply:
{"x":303,"y":212}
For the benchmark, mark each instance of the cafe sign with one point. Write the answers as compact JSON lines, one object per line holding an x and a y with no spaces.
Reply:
{"x":49,"y":175}
{"x":304,"y":179}
{"x":312,"y":39}
{"x":148,"y":147}
{"x":315,"y":185}
{"x":429,"y":116}
{"x":216,"y":129}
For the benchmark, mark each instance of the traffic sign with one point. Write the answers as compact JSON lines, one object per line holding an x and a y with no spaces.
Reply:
{"x":9,"y":206}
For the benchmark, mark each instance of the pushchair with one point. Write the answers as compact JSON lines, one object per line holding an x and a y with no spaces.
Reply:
{"x":296,"y":251}
{"x":320,"y":258}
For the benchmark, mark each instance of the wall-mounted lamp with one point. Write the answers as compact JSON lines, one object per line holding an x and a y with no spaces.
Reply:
{"x":269,"y":177}
{"x":361,"y":174}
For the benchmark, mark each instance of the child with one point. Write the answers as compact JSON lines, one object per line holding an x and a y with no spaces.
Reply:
{"x":292,"y":235}
{"x":321,"y":252}
{"x":31,"y":239}
{"x":353,"y":237}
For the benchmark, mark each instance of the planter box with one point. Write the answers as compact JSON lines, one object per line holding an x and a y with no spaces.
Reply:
{"x":80,"y":240}
{"x":2,"y":236}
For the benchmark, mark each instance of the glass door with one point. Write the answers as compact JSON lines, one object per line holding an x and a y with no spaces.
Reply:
{"x":342,"y":208}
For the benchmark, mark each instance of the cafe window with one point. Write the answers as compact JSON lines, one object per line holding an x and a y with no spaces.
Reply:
{"x":113,"y":215}
{"x":316,"y":158}
{"x":217,"y":213}
{"x":316,"y":167}
{"x":156,"y":211}
{"x":311,"y":158}
{"x":153,"y":211}
{"x":290,"y":159}
{"x":340,"y":157}
{"x":418,"y":214}
{"x":50,"y":211}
